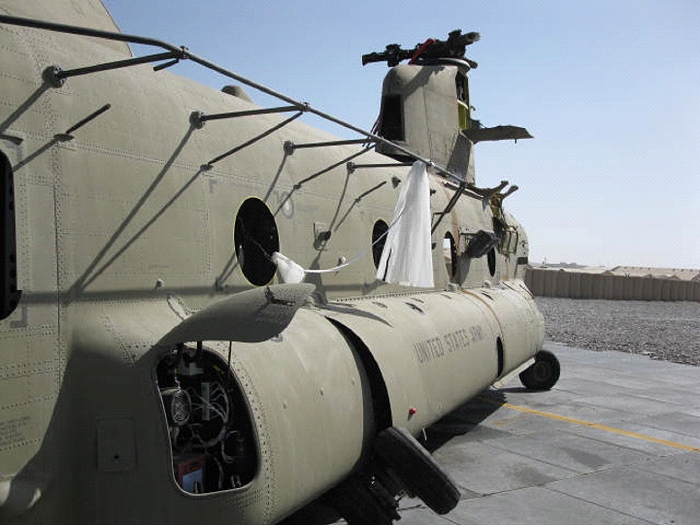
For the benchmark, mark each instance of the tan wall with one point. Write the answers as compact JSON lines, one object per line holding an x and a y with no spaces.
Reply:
{"x":561,"y":283}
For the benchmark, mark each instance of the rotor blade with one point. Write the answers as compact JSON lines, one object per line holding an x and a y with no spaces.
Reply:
{"x":497,"y":133}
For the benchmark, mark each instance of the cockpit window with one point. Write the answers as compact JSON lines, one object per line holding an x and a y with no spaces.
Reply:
{"x":391,"y":122}
{"x":461,"y":86}
{"x":9,"y":297}
{"x":462,"y":91}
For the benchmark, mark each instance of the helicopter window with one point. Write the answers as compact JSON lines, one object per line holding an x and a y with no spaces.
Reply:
{"x":391,"y":126}
{"x":449,"y":252}
{"x":462,"y":100}
{"x":461,"y":85}
{"x":507,"y":234}
{"x":501,"y":356}
{"x":9,"y":297}
{"x":491,"y":257}
{"x":378,"y":240}
{"x":509,"y":241}
{"x":255,"y":237}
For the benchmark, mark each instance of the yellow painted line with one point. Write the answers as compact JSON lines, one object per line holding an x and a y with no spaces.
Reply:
{"x":597,"y":426}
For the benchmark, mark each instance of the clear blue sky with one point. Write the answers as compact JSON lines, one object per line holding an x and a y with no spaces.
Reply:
{"x":609,"y":88}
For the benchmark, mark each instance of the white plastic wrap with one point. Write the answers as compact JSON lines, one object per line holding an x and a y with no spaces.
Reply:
{"x":290,"y":272}
{"x":407,"y":258}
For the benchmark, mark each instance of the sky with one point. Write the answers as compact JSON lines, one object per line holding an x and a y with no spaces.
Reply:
{"x":610,"y":89}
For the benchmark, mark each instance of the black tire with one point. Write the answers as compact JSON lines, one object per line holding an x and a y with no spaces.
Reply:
{"x":544,"y":372}
{"x":357,"y":503}
{"x":416,"y":469}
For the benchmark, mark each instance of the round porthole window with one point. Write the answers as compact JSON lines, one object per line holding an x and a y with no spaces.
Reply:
{"x":255,"y":237}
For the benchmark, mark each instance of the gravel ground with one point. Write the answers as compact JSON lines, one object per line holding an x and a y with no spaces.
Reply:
{"x":668,"y":331}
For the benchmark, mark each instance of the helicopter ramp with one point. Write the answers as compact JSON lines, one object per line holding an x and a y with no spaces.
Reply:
{"x":616,"y":441}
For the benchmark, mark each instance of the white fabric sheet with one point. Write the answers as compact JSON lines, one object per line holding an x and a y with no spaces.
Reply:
{"x":407,"y":256}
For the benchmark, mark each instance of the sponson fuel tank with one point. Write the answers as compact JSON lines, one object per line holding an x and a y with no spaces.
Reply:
{"x":437,"y":349}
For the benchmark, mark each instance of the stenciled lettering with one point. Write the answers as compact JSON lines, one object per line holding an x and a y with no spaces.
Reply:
{"x":437,"y":347}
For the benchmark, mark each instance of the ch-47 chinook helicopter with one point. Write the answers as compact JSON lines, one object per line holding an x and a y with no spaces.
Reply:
{"x":211,"y":313}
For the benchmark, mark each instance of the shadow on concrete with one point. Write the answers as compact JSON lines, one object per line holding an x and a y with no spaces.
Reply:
{"x":463,"y":419}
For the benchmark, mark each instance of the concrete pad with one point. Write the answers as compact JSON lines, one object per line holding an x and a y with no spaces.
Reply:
{"x":684,"y":467}
{"x":535,"y":506}
{"x":499,"y":470}
{"x":570,"y":451}
{"x":640,"y":493}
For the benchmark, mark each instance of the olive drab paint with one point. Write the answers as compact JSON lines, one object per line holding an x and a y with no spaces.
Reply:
{"x":155,"y":364}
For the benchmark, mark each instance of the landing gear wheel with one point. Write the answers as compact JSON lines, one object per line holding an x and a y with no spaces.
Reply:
{"x":361,"y":500}
{"x":416,"y":469}
{"x":544,"y":372}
